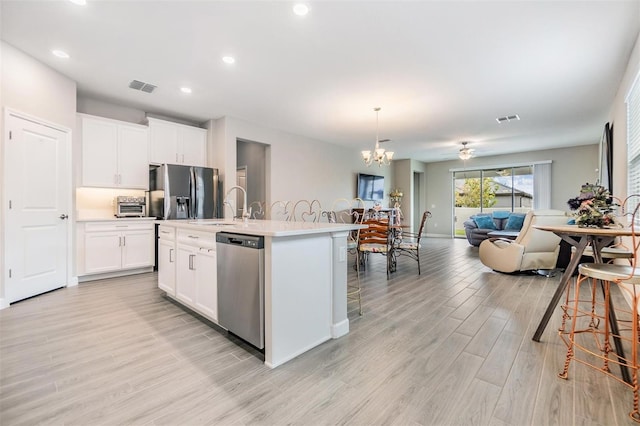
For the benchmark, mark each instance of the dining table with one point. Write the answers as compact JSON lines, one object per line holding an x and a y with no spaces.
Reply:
{"x":580,"y":238}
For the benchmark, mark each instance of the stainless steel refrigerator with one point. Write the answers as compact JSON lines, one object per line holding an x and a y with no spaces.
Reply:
{"x":184,"y":192}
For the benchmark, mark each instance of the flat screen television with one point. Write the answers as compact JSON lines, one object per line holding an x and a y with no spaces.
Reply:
{"x":370,"y":187}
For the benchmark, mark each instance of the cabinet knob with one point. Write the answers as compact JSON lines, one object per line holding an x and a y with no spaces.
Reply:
{"x":63,"y":216}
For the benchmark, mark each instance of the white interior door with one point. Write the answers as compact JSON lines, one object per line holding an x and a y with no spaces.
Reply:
{"x":37,"y":202}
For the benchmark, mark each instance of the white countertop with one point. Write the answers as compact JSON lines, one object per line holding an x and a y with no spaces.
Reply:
{"x":268,"y":228}
{"x":111,"y":219}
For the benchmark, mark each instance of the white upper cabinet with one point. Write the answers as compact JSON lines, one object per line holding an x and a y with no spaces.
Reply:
{"x":192,"y":142}
{"x":163,"y":142}
{"x":114,"y":153}
{"x":175,"y":143}
{"x":133,"y":157}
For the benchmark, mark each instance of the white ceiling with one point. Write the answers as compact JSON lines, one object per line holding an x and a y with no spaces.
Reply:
{"x":442,"y":71}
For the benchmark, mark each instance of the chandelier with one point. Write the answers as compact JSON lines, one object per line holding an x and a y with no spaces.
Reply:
{"x":379,"y":155}
{"x":465,"y":153}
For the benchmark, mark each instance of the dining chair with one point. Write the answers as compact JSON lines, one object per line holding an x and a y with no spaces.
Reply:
{"x":306,"y":211}
{"x":375,"y":238}
{"x":342,"y":209}
{"x":257,"y":210}
{"x":408,"y":244}
{"x":591,"y":317}
{"x":280,"y":210}
{"x":615,"y":251}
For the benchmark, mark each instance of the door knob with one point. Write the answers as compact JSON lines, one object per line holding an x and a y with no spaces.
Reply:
{"x":63,"y":216}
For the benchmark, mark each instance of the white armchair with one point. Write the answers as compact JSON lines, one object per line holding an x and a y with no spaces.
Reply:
{"x":533,"y":249}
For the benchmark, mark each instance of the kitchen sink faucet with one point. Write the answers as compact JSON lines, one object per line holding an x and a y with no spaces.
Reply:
{"x":245,"y":212}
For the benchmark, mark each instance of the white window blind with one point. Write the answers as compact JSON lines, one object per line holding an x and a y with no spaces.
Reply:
{"x":633,"y":141}
{"x":542,"y":186}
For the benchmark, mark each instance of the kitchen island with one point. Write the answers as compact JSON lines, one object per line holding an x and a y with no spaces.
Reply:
{"x":305,"y":278}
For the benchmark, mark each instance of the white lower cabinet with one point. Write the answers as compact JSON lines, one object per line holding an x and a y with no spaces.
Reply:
{"x":186,"y":274}
{"x":135,"y":248}
{"x":113,"y":246}
{"x":207,"y":282}
{"x":167,"y":260}
{"x":103,"y":252}
{"x":196,"y":283}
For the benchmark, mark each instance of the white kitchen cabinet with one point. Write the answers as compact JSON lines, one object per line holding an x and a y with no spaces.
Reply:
{"x":196,"y":272}
{"x":167,"y":260}
{"x":176,"y":143}
{"x":112,"y":246}
{"x":103,"y":252}
{"x":192,"y":143}
{"x":206,"y":282}
{"x":114,"y":153}
{"x":186,"y":274}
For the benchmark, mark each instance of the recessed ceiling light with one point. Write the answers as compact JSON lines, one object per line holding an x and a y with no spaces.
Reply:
{"x":300,"y":9}
{"x":60,"y":54}
{"x":79,"y":2}
{"x":185,"y":89}
{"x":228,"y":59}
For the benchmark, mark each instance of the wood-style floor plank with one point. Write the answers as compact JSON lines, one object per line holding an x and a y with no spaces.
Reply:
{"x":451,"y":346}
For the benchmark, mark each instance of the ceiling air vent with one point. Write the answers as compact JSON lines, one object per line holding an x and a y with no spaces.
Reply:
{"x":141,"y":85}
{"x":508,"y":118}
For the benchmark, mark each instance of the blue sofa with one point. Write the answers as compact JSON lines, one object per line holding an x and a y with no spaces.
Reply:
{"x":479,"y":225}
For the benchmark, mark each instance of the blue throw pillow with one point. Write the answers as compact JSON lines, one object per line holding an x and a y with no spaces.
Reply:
{"x":484,"y":222}
{"x":515,"y":221}
{"x":501,"y":214}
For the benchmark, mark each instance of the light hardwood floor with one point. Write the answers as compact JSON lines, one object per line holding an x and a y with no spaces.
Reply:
{"x":450,"y":347}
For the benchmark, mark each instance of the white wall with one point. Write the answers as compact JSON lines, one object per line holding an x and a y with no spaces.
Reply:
{"x":108,"y":110}
{"x":33,"y":88}
{"x":618,"y":118}
{"x":571,"y":167}
{"x":297,"y":167}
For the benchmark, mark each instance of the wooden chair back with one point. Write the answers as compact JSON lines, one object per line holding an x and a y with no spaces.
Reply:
{"x":377,"y":232}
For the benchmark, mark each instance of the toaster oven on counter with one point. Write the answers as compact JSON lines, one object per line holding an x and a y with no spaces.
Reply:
{"x":127,"y":206}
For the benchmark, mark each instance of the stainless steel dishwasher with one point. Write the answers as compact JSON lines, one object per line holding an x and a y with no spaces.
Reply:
{"x":241,"y":285}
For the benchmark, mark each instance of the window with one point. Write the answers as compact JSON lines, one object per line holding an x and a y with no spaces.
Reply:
{"x":633,"y":141}
{"x":505,"y":189}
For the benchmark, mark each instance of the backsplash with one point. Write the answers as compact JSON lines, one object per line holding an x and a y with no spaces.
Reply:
{"x":98,"y":203}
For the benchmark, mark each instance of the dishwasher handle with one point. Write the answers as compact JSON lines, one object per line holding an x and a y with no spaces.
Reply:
{"x":240,"y":240}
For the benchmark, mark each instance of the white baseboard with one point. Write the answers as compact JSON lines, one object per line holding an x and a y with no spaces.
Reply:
{"x":340,"y":329}
{"x":292,"y":355}
{"x":114,"y":274}
{"x":438,"y":235}
{"x":3,"y":303}
{"x":73,"y":282}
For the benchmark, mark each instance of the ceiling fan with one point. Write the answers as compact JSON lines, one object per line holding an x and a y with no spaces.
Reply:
{"x":465,"y":152}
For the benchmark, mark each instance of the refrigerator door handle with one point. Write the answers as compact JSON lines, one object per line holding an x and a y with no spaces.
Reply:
{"x":193,"y":182}
{"x":167,"y":192}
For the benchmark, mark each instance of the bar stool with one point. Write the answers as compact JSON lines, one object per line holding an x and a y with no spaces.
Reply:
{"x":587,"y":316}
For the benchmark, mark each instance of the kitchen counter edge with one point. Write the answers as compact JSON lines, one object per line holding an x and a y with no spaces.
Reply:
{"x":266,"y":228}
{"x":114,"y":219}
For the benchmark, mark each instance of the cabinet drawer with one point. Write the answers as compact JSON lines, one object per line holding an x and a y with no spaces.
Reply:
{"x":197,"y":238}
{"x":167,"y":232}
{"x":117,"y":226}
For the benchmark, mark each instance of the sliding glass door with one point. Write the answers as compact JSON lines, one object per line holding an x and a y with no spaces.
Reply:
{"x":476,"y":191}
